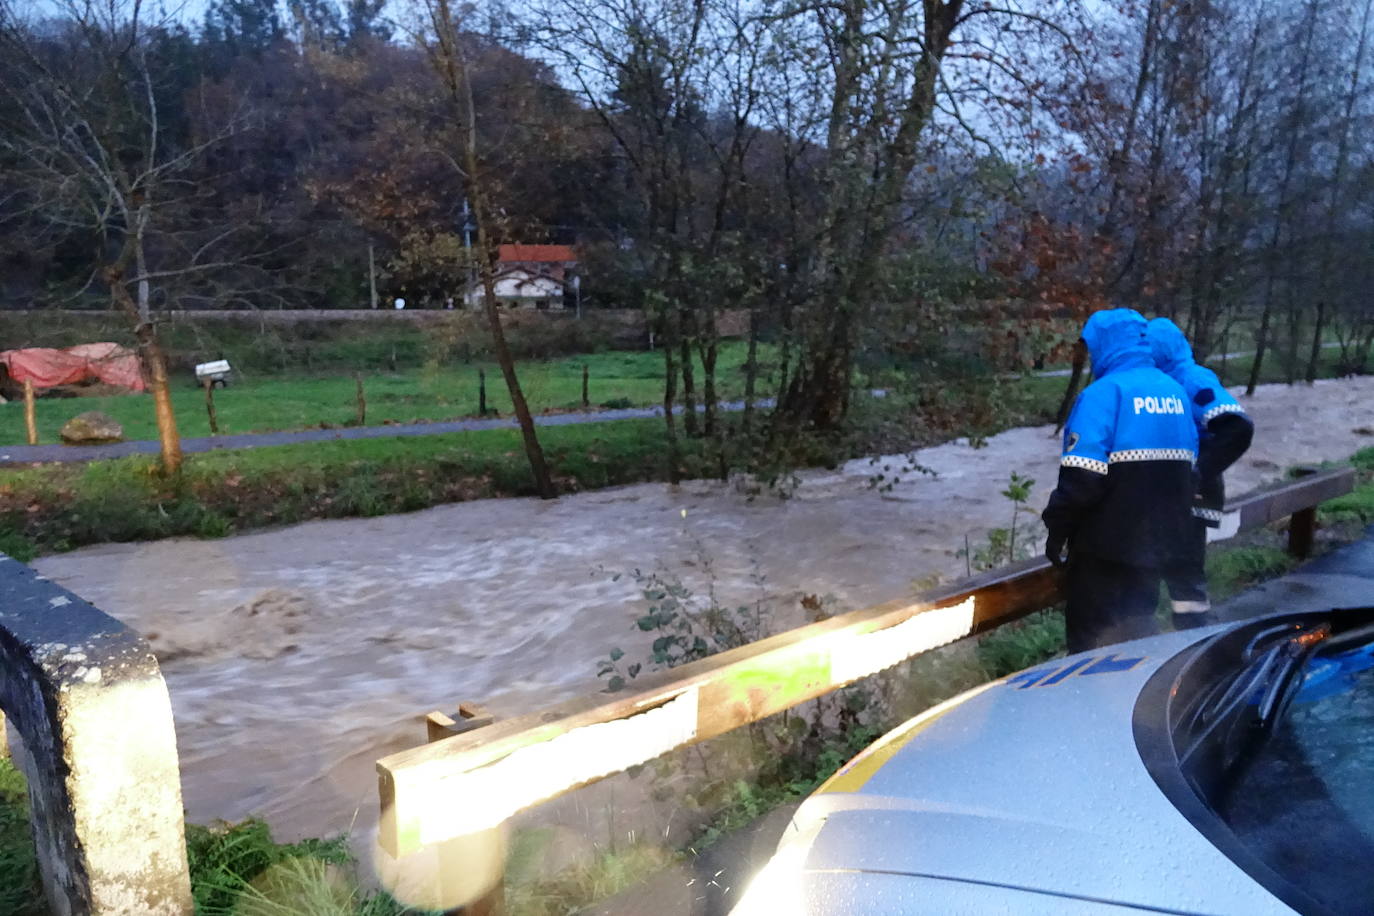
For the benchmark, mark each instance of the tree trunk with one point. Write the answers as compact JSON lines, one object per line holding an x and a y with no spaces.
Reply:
{"x":1261,"y":343}
{"x":145,"y":314}
{"x":169,"y":440}
{"x":1290,"y":356}
{"x":709,"y":347}
{"x":154,"y":363}
{"x":751,"y":372}
{"x":454,"y":72}
{"x":689,"y":388}
{"x":543,"y":482}
{"x":670,"y":394}
{"x":1080,"y":359}
{"x":1318,"y":327}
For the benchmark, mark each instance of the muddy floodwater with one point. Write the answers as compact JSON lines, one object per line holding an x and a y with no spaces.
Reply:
{"x":295,"y":657}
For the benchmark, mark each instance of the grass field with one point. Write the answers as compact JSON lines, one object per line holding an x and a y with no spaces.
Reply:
{"x":262,"y":403}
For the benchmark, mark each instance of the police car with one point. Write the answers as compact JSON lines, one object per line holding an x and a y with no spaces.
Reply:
{"x":1219,"y":770}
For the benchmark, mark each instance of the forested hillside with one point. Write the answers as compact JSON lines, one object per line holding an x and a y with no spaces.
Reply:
{"x":866,"y":177}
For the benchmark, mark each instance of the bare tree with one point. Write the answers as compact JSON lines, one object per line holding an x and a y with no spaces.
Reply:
{"x":446,"y":44}
{"x":1293,"y":124}
{"x":1346,"y":130}
{"x":93,"y":156}
{"x":674,"y":86}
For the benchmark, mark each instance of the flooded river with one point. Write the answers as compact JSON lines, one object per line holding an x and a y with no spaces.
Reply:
{"x":296,"y":657}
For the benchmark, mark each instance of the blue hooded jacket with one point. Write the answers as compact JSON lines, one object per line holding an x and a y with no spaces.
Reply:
{"x":1126,"y":471}
{"x":1223,"y":428}
{"x":1174,"y":355}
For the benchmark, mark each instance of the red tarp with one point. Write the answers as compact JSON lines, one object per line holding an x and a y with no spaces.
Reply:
{"x":105,"y":362}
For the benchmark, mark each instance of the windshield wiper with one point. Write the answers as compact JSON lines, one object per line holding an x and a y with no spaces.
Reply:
{"x":1268,"y":671}
{"x":1294,"y":654}
{"x":1276,"y":699}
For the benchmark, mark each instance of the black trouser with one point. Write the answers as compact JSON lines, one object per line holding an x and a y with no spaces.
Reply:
{"x":1109,"y":602}
{"x":1188,"y":583}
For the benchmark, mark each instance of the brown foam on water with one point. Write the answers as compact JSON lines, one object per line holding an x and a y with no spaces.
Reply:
{"x":263,"y":627}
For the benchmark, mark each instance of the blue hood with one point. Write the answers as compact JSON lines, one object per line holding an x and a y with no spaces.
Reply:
{"x":1116,"y":340}
{"x":1168,"y":346}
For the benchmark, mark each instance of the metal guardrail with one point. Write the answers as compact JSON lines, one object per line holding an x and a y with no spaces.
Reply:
{"x":468,"y":784}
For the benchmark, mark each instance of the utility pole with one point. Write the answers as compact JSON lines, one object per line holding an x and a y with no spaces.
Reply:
{"x":371,"y":276}
{"x":468,"y":227}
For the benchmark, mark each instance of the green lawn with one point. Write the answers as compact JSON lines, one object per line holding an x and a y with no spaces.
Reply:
{"x":261,"y":403}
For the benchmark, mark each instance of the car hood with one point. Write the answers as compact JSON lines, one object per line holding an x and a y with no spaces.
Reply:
{"x":1034,"y":784}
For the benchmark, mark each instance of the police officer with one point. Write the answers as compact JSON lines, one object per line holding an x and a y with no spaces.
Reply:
{"x":1122,"y":503}
{"x":1224,"y":433}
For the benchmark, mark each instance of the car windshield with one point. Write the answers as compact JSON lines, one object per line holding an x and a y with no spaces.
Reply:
{"x":1304,"y":802}
{"x":1263,"y":737}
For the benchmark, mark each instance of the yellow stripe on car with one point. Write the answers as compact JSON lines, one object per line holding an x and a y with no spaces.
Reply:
{"x":856,"y":773}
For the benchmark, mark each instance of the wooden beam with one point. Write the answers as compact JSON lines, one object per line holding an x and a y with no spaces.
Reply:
{"x":481,"y":778}
{"x":471,"y":782}
{"x":1274,"y":505}
{"x":439,"y":725}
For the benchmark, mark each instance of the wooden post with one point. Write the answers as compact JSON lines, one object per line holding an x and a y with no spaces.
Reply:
{"x":392,"y":360}
{"x":30,"y":418}
{"x":1302,"y":524}
{"x":362,"y":400}
{"x":1301,"y":528}
{"x":586,"y":401}
{"x":210,"y":405}
{"x":481,"y":392}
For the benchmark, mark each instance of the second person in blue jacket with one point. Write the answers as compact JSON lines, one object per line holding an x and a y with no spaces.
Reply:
{"x":1122,"y":506}
{"x":1224,"y":433}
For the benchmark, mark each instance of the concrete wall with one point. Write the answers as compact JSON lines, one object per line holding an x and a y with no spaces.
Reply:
{"x":87,"y":699}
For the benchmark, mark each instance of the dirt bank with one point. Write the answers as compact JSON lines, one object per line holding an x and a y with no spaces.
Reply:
{"x":296,"y":657}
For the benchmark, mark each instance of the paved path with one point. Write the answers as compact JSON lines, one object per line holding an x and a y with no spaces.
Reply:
{"x":30,"y":454}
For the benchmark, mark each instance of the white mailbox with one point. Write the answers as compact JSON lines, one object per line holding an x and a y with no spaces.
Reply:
{"x":217,"y":372}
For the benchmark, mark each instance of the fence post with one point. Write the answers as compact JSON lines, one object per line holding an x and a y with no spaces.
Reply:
{"x":481,"y":392}
{"x":586,"y":401}
{"x":1302,"y":524}
{"x":99,"y":752}
{"x":210,"y":405}
{"x":362,"y":400}
{"x":30,"y":415}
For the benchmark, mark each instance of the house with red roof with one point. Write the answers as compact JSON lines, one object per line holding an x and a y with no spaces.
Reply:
{"x":531,"y":276}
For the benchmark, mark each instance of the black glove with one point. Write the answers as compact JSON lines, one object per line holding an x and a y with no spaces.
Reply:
{"x":1054,"y":550}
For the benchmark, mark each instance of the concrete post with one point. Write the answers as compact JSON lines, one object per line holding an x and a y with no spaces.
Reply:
{"x":86,"y":696}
